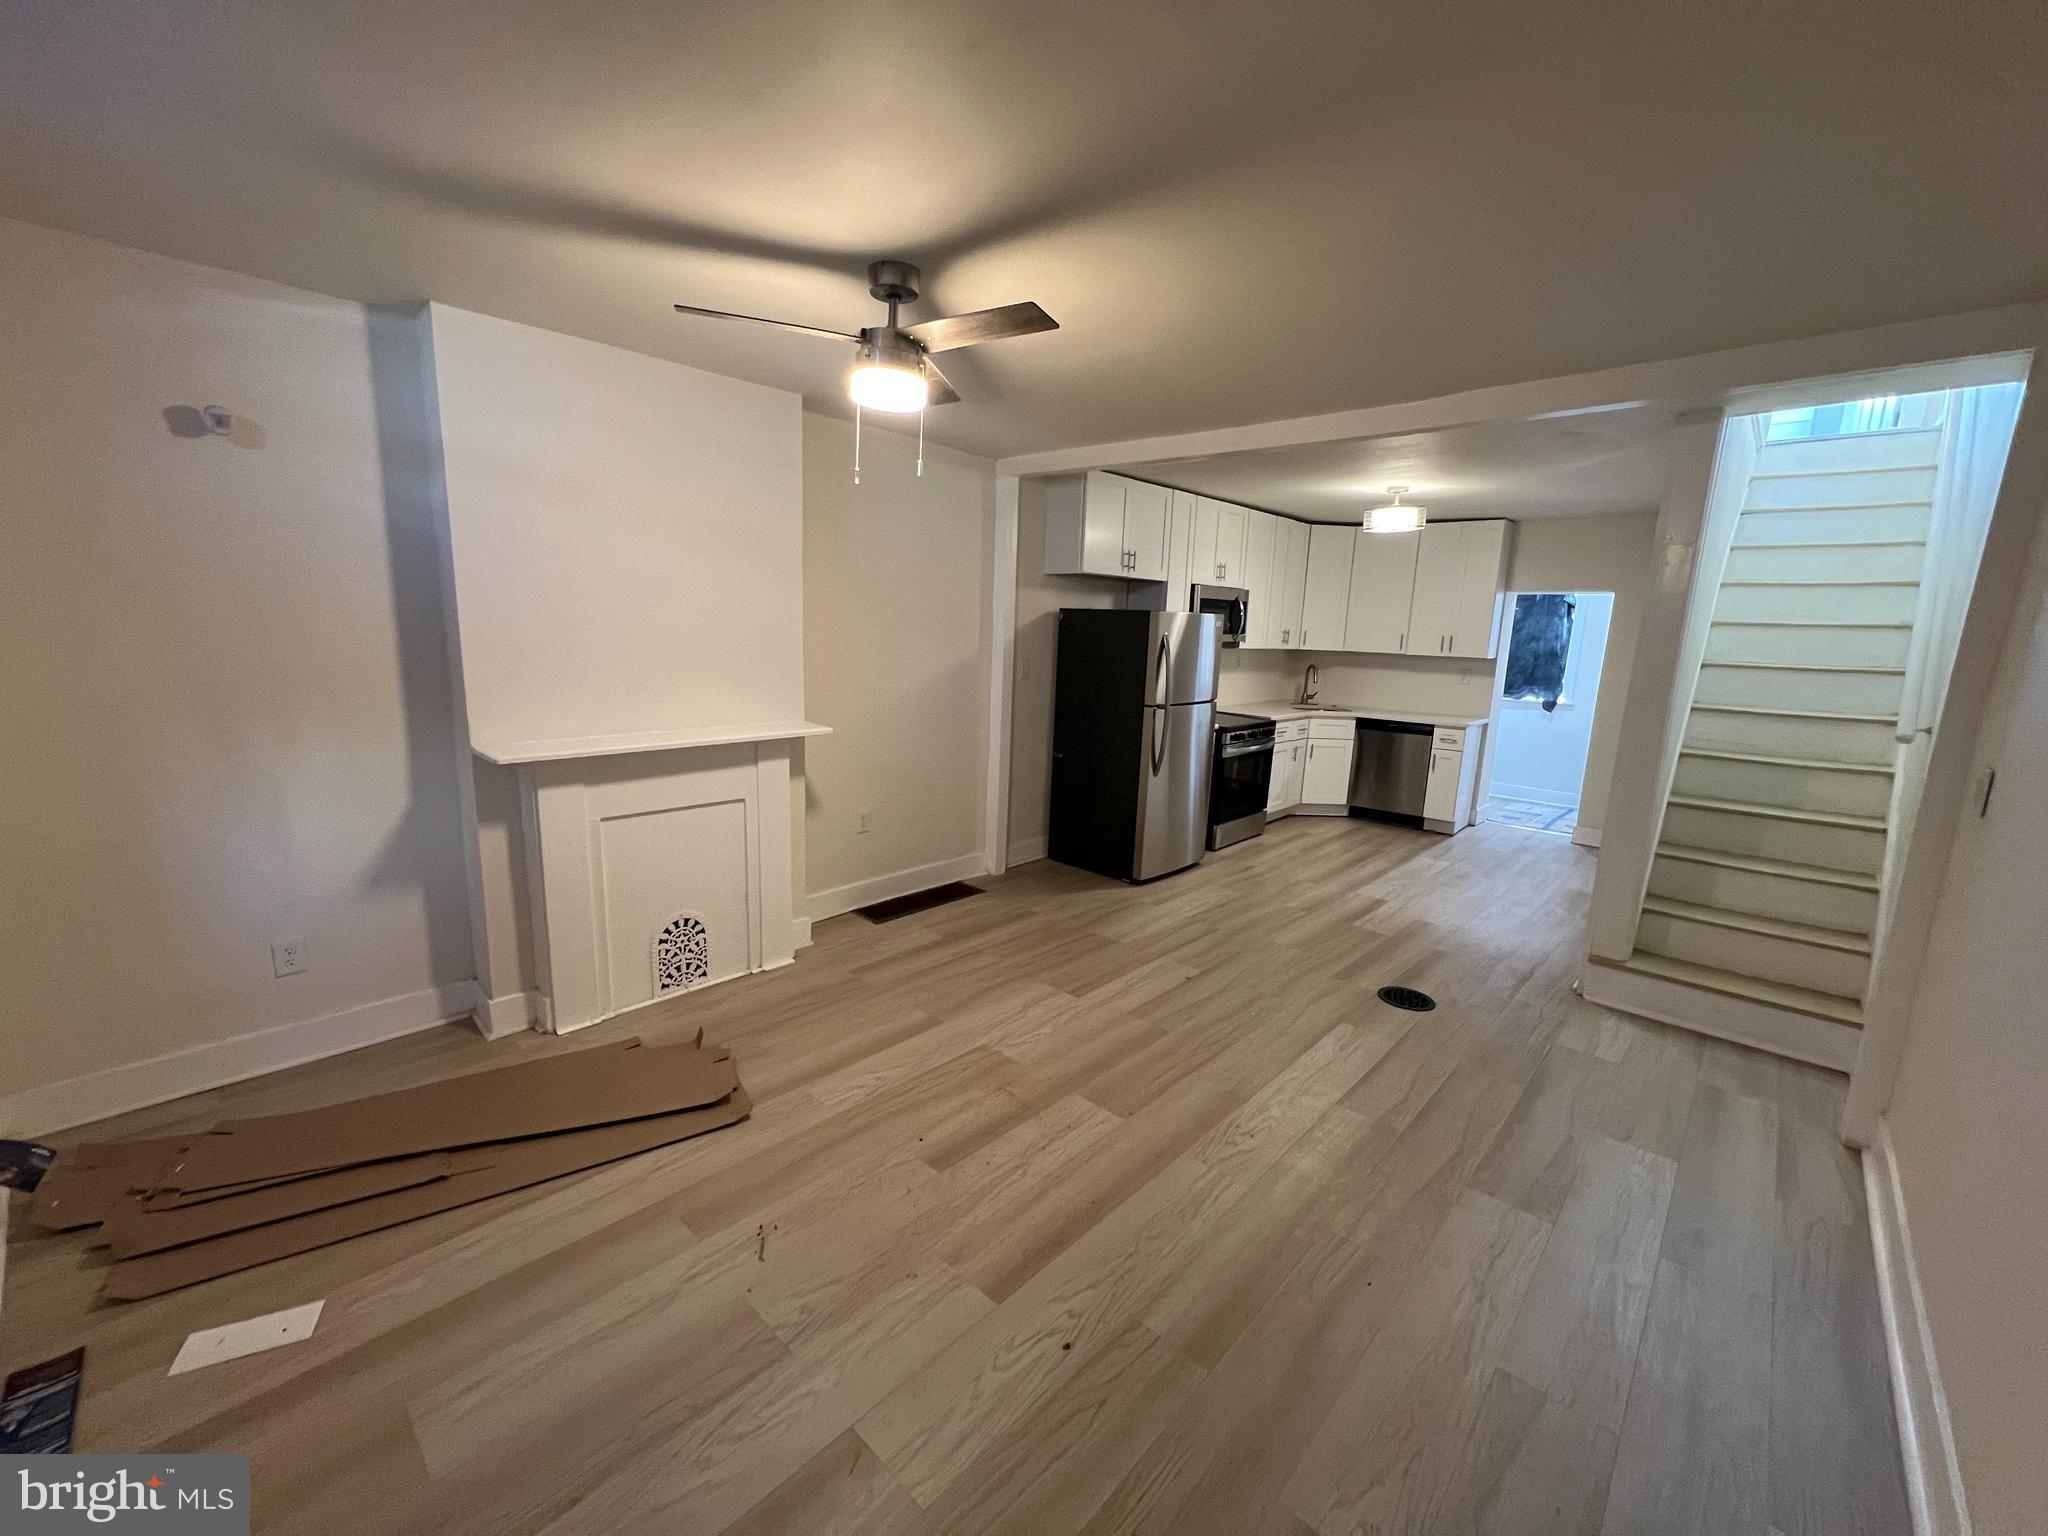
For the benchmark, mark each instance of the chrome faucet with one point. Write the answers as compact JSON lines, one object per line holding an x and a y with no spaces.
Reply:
{"x":1310,"y":680}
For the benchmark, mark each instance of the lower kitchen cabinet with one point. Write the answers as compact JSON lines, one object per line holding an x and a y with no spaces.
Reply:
{"x":1290,"y":761}
{"x":1447,"y":803}
{"x":1326,"y":775}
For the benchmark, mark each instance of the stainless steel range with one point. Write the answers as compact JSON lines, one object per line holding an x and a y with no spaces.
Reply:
{"x":1240,"y":779}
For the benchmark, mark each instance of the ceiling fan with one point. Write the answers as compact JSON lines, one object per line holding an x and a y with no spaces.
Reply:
{"x":892,"y":366}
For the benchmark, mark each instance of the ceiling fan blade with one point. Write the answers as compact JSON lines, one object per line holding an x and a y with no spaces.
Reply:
{"x":942,"y":390}
{"x":981,"y":325}
{"x":786,"y":325}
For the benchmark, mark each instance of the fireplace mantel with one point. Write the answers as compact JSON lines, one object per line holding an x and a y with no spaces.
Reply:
{"x":556,"y":749}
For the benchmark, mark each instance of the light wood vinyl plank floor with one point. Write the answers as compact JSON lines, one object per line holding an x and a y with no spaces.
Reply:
{"x":1085,"y":1207}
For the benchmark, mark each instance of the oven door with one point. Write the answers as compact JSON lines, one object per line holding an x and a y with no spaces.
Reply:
{"x":1237,"y":791}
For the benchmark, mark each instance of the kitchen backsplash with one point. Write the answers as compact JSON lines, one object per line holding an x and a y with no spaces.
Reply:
{"x":1423,"y":684}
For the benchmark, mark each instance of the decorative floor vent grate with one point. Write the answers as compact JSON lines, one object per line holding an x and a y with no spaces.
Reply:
{"x":682,"y":953}
{"x":1408,"y":998}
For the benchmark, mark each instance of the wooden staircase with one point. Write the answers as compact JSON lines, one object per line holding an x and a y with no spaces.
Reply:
{"x":1764,"y":885}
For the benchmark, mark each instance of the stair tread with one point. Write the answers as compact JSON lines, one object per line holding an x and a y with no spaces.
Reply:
{"x":1775,"y":761}
{"x":1817,"y":623}
{"x":1776,"y":994}
{"x":1781,"y":812}
{"x":1757,"y":864}
{"x":1753,"y":922}
{"x":1804,"y":666}
{"x":1820,"y":581}
{"x":1801,"y":714}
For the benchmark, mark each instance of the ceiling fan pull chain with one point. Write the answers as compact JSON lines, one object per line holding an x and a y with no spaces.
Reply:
{"x":920,"y":442}
{"x":856,"y":442}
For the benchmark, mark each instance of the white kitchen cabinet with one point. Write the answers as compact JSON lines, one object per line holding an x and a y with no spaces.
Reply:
{"x":1180,"y":546}
{"x":1099,"y":524}
{"x":1260,"y":530}
{"x":1382,"y":592}
{"x":1219,"y":542}
{"x":1447,"y":800}
{"x":1460,"y":577}
{"x":1290,"y":565}
{"x":1289,"y":759}
{"x":1326,"y":775}
{"x":1326,"y":594}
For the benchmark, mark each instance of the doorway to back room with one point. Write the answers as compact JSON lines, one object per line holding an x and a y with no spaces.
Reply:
{"x":1544,"y":723}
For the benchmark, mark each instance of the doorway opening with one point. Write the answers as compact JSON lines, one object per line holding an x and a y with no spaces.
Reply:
{"x":1543,"y":725}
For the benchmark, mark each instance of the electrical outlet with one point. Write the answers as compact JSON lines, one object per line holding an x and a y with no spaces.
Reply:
{"x":867,"y":821}
{"x":287,"y":956}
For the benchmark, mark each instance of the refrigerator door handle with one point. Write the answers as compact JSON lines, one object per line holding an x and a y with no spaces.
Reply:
{"x":1158,"y":741}
{"x":1159,"y":675}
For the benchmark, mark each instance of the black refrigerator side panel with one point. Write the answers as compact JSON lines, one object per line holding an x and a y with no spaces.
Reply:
{"x":1098,"y":730}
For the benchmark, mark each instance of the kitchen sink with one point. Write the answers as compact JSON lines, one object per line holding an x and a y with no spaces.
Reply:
{"x":1326,"y":709}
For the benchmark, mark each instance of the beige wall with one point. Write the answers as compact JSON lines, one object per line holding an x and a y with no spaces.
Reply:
{"x":226,"y":703}
{"x":895,"y":617}
{"x":627,"y":536}
{"x":1969,"y":1112}
{"x":1577,"y":554}
{"x":1039,"y":600}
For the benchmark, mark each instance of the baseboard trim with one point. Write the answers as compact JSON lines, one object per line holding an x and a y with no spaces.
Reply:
{"x":96,"y":1095}
{"x":1556,"y":797}
{"x":497,"y":1017}
{"x":1586,"y":837}
{"x":844,"y":898}
{"x":1934,"y":1479}
{"x":799,"y":933}
{"x":1027,"y":850}
{"x":1797,"y":1035}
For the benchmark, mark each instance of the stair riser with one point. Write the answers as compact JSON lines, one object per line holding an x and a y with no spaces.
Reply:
{"x":1787,"y":525}
{"x":1915,"y":448}
{"x":1807,"y":605}
{"x":1767,"y":837}
{"x":1862,"y":488}
{"x":1813,"y":647}
{"x":1857,"y":693}
{"x":1754,"y":954}
{"x":1741,"y":890}
{"x":1825,"y":562}
{"x":1796,"y":789}
{"x":1834,"y":741}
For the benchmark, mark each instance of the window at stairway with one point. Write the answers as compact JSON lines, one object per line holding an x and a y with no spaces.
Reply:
{"x":1540,"y":649}
{"x":1850,"y":418}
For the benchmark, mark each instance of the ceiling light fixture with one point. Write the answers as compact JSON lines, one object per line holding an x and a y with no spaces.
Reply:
{"x":888,"y":374}
{"x":1395,"y":518}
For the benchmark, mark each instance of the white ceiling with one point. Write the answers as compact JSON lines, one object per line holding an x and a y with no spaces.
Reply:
{"x":1582,"y":465}
{"x":1237,"y":212}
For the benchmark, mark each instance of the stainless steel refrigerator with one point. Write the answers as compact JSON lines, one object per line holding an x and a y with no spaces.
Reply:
{"x":1134,"y":706}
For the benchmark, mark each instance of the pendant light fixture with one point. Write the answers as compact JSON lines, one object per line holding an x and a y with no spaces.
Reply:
{"x":1395,"y":518}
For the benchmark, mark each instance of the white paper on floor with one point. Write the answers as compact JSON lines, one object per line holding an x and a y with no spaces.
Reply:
{"x":210,"y":1346}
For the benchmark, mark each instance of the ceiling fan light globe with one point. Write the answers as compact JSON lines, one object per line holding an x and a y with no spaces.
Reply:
{"x":888,"y":387}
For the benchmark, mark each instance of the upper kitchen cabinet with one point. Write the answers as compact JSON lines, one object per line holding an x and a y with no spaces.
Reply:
{"x":1382,"y":592}
{"x":1460,"y":576}
{"x":1100,"y":524}
{"x":1290,"y":581}
{"x":1260,"y":538}
{"x":1219,"y":551}
{"x":1326,"y":595}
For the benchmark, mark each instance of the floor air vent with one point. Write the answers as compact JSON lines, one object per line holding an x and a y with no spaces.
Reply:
{"x":1407,"y":997}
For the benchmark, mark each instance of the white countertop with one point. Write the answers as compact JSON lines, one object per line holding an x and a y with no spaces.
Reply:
{"x":1275,"y":710}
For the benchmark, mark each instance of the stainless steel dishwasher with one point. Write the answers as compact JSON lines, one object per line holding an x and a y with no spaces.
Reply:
{"x":1390,"y":770}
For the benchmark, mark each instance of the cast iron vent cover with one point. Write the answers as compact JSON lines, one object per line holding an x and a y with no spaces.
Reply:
{"x":1407,"y":997}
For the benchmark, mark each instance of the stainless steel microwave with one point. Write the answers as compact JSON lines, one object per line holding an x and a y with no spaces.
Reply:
{"x":1232,"y":607}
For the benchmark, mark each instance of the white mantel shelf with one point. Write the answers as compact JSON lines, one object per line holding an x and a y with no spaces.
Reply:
{"x":560,"y":748}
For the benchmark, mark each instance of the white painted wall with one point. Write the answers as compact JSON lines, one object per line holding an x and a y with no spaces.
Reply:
{"x":627,"y":536}
{"x":1039,"y":600}
{"x":896,"y":575}
{"x":1969,"y":1113}
{"x":227,"y":703}
{"x":1541,"y":755}
{"x":1592,"y":554}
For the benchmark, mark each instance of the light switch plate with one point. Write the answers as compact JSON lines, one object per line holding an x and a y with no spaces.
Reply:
{"x":210,"y":1346}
